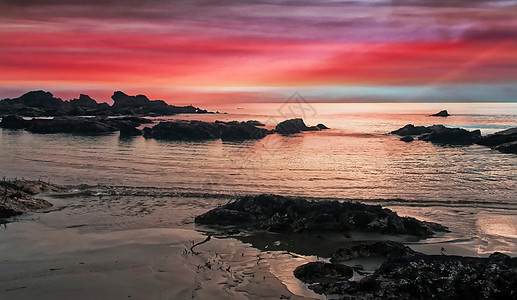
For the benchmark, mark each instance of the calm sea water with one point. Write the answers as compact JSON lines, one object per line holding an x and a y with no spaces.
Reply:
{"x":473,"y":189}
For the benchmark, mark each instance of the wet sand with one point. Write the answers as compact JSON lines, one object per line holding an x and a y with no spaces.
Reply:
{"x":45,"y":263}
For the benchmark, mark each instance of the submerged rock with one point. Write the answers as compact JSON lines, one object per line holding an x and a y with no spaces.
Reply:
{"x":433,"y":277}
{"x":388,"y":249}
{"x":320,"y":272}
{"x":288,"y":214}
{"x":442,"y":113}
{"x":16,"y":196}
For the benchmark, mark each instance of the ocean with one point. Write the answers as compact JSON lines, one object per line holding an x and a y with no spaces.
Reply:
{"x":144,"y":183}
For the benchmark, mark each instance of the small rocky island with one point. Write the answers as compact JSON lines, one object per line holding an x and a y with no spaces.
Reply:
{"x":17,"y":196}
{"x":504,"y":141}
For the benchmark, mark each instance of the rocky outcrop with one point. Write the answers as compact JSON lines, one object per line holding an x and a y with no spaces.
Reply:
{"x":71,"y":125}
{"x":442,"y":113}
{"x":438,"y":134}
{"x":76,"y":125}
{"x":510,"y":147}
{"x":411,"y":129}
{"x":198,"y":130}
{"x":433,"y":277}
{"x":498,"y":138}
{"x":504,"y":141}
{"x":293,"y":126}
{"x":40,"y":103}
{"x":13,"y":122}
{"x":184,"y":131}
{"x":451,"y":136}
{"x":16,"y":196}
{"x":320,"y":272}
{"x":287,"y":214}
{"x":127,"y":130}
{"x":387,"y":249}
{"x":243,"y":131}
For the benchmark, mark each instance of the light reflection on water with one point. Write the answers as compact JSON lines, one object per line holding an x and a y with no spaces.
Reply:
{"x":465,"y":188}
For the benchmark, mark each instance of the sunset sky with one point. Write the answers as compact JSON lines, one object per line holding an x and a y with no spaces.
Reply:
{"x":261,"y":51}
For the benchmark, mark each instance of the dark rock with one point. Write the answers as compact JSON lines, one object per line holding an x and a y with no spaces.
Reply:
{"x":184,"y":131}
{"x":291,"y":126}
{"x":452,"y":136}
{"x":320,"y":272}
{"x":16,"y":196}
{"x":70,"y":125}
{"x":13,"y":122}
{"x":242,"y":131}
{"x":442,"y":113}
{"x":433,"y":277}
{"x":40,"y":103}
{"x":140,"y":104}
{"x":510,"y":147}
{"x":255,"y":123}
{"x":439,"y":134}
{"x":411,"y":129}
{"x":287,"y":214}
{"x":388,"y":249}
{"x":407,"y":139}
{"x":127,"y":130}
{"x":498,"y":138}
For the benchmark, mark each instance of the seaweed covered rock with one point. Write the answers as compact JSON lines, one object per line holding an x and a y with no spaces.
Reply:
{"x":321,"y":271}
{"x":288,"y":214}
{"x":388,"y":249}
{"x":433,"y":277}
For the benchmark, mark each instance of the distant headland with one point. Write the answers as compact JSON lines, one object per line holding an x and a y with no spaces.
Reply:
{"x":41,"y":103}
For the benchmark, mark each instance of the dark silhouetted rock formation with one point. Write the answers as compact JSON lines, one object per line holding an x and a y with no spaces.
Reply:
{"x":439,"y":134}
{"x":286,"y":214}
{"x":70,"y":124}
{"x":13,"y":122}
{"x":504,"y":141}
{"x":40,"y":103}
{"x":432,"y":277}
{"x":498,"y":138}
{"x":127,"y":130}
{"x":320,"y":272}
{"x":293,"y":126}
{"x":198,"y":130}
{"x":442,"y":113}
